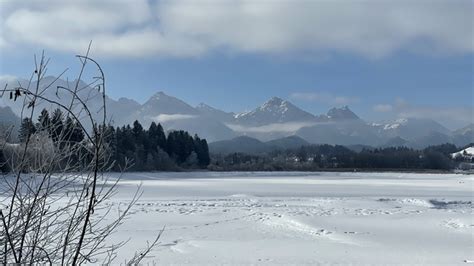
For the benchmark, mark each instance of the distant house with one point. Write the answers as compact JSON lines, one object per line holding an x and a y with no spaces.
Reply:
{"x":466,"y":154}
{"x":465,"y":158}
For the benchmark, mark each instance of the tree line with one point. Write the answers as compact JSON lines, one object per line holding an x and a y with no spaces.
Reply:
{"x":152,"y":150}
{"x":327,"y":157}
{"x":131,"y":148}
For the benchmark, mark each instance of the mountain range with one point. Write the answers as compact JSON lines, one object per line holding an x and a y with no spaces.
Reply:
{"x":250,"y":145}
{"x":276,"y":120}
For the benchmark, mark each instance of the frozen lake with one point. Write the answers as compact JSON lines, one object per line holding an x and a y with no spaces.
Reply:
{"x":301,"y":218}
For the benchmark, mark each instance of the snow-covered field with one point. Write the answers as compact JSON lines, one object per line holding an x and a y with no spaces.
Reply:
{"x":301,"y":218}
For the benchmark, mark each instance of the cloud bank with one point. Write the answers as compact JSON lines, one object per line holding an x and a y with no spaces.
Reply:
{"x":163,"y":118}
{"x":186,"y":28}
{"x":289,"y":127}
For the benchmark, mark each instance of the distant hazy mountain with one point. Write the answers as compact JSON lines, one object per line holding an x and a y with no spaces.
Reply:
{"x":241,"y":144}
{"x":464,"y":136}
{"x":91,"y":96}
{"x":467,"y":130}
{"x":396,"y":142}
{"x":411,"y":128}
{"x":275,"y":110}
{"x":434,"y":138}
{"x":420,"y":133}
{"x":122,"y":111}
{"x":213,"y":113}
{"x":212,"y":130}
{"x":175,"y":114}
{"x":276,"y":119}
{"x":159,"y":108}
{"x":347,"y":132}
{"x":250,"y":145}
{"x":339,"y":126}
{"x":340,"y":114}
{"x":160,"y":103}
{"x":9,"y":122}
{"x":290,"y":142}
{"x":7,"y":117}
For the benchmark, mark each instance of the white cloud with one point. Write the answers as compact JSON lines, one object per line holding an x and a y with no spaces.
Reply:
{"x":276,"y":127}
{"x":141,"y":28}
{"x":324,"y":97}
{"x":163,"y":118}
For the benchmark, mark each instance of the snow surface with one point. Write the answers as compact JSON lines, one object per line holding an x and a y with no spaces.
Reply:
{"x":466,"y":152}
{"x":300,"y":218}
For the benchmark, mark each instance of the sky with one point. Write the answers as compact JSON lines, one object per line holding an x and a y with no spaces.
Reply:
{"x":384,"y":59}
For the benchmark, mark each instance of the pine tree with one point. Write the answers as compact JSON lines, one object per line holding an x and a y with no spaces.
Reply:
{"x":161,"y":137}
{"x":68,"y":129}
{"x":57,"y":125}
{"x":127,"y":139}
{"x":77,"y":133}
{"x":204,"y":157}
{"x":27,"y":128}
{"x":44,"y":121}
{"x":202,"y":151}
{"x":3,"y":163}
{"x":72,"y":132}
{"x":156,"y":137}
{"x":179,"y":145}
{"x":137,"y":130}
{"x":111,"y":141}
{"x":192,"y":160}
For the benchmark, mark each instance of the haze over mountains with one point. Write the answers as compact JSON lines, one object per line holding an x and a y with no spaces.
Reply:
{"x":269,"y":124}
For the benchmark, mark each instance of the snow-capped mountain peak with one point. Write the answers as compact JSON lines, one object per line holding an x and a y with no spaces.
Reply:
{"x":274,"y":101}
{"x":276,"y":105}
{"x":275,"y":110}
{"x":159,"y":95}
{"x":343,"y":113}
{"x":161,"y":103}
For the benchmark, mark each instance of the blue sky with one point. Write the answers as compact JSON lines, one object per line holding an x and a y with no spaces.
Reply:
{"x":416,"y":59}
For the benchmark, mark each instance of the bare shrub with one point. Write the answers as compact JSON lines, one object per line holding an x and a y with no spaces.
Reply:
{"x":52,"y":201}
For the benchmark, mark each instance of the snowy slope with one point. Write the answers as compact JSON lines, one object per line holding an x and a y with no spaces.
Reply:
{"x":467,"y":152}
